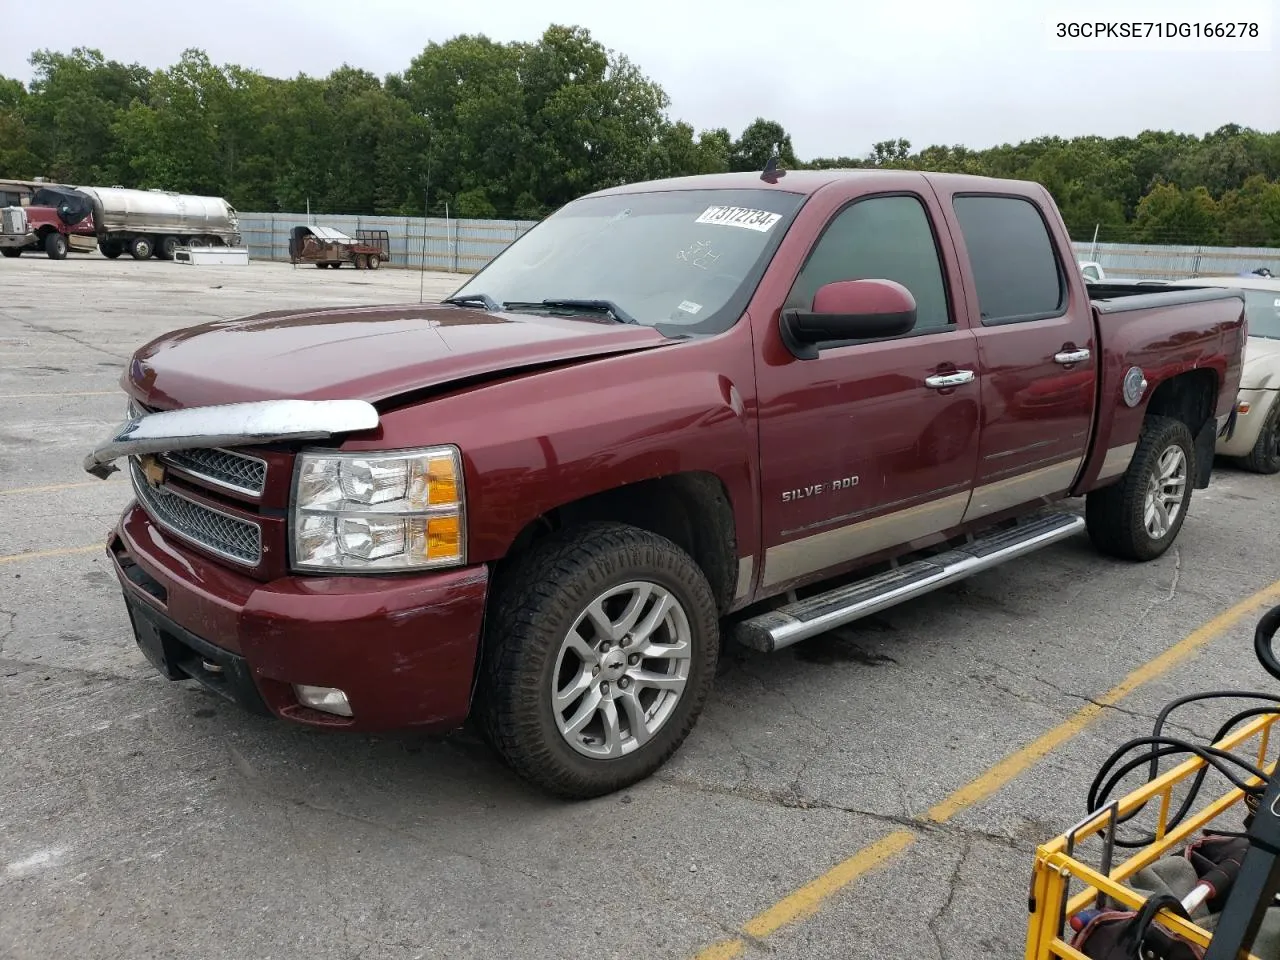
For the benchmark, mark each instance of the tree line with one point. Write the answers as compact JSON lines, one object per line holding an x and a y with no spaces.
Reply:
{"x":492,"y":129}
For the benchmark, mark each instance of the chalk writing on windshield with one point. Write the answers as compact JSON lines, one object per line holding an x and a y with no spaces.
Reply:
{"x":699,"y":254}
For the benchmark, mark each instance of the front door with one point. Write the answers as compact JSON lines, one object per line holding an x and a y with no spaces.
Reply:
{"x":871,"y":445}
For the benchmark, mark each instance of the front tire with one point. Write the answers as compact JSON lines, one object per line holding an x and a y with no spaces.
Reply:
{"x":1265,"y":455}
{"x":600,"y":651}
{"x":1138,"y":517}
{"x":11,"y":253}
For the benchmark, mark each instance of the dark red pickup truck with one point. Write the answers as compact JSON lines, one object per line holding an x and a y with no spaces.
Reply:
{"x":759,"y":405}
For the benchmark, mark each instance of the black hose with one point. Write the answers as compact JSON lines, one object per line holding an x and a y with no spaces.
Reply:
{"x":1213,"y":756}
{"x":1263,"y":637}
{"x":1161,"y":746}
{"x":1154,"y":760}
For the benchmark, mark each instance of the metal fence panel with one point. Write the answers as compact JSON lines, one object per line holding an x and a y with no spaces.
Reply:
{"x":452,"y":246}
{"x":464,"y":246}
{"x":1152,"y":262}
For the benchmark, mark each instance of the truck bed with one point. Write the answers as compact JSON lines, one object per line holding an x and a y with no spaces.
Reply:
{"x":1123,"y":297}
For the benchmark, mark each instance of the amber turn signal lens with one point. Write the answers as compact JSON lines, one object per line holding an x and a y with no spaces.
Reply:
{"x":443,"y":486}
{"x":1243,"y":406}
{"x":444,"y":536}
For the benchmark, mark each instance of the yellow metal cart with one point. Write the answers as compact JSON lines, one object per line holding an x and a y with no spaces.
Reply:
{"x":1064,"y":884}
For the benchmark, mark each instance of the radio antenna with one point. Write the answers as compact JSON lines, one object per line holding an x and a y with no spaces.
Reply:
{"x":422,"y":267}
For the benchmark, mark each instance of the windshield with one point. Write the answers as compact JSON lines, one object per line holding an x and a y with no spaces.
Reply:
{"x":1262,"y":308}
{"x":688,"y":259}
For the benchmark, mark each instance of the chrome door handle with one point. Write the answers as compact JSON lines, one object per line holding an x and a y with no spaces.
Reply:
{"x":1071,"y":356}
{"x":938,"y":381}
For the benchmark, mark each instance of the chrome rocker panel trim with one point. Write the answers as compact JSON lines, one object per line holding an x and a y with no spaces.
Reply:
{"x":230,"y":425}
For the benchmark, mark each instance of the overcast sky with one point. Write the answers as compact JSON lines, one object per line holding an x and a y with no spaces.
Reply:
{"x":838,"y":75}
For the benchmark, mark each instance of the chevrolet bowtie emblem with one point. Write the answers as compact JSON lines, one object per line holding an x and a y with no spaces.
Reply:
{"x":152,"y":469}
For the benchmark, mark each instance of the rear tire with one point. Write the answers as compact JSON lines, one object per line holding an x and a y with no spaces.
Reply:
{"x":111,"y":250}
{"x":1265,"y":455}
{"x":140,"y":248}
{"x":361,"y":261}
{"x":649,"y":677}
{"x":11,"y":253}
{"x":375,"y":263}
{"x":1139,"y":516}
{"x":167,"y":247}
{"x":55,"y":246}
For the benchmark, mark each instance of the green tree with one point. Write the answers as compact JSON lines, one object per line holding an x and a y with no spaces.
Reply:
{"x":74,"y":102}
{"x":1170,"y":215}
{"x":761,"y":140}
{"x":17,"y":158}
{"x":890,"y":153}
{"x":1250,"y":216}
{"x":518,"y":129}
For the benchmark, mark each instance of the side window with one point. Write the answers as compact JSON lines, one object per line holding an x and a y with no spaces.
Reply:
{"x":1015,"y":268}
{"x":881,"y":238}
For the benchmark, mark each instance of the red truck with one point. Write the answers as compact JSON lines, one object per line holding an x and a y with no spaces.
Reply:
{"x":41,"y":228}
{"x":740,"y":405}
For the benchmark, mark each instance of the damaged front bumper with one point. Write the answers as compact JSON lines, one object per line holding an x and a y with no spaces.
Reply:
{"x":229,"y":425}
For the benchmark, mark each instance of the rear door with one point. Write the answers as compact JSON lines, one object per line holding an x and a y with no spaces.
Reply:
{"x":1036,"y":347}
{"x":871,"y":445}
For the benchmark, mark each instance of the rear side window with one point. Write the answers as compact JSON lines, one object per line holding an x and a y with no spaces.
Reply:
{"x":1014,"y":265}
{"x":881,"y":238}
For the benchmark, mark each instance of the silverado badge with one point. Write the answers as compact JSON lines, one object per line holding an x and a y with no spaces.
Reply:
{"x":152,"y":469}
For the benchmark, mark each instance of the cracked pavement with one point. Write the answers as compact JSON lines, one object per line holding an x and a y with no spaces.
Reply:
{"x":145,"y":818}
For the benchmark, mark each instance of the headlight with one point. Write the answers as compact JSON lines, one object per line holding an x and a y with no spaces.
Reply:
{"x":358,"y":511}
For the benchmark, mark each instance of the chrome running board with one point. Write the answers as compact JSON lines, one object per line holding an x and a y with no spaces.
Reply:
{"x":807,"y":618}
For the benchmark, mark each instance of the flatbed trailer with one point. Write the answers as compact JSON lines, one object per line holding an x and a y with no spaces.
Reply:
{"x":329,"y":248}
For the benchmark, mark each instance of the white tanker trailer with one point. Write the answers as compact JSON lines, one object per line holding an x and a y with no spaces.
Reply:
{"x":150,"y":223}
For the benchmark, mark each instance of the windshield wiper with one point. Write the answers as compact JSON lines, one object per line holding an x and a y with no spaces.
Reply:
{"x":471,"y":299}
{"x":594,"y":306}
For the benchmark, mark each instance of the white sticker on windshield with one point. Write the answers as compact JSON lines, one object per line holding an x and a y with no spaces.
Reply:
{"x":761,"y":221}
{"x":688,"y":306}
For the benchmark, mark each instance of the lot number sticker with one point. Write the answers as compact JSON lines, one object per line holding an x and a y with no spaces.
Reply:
{"x":761,"y":221}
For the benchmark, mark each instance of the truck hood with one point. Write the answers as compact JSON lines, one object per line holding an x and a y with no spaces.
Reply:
{"x":361,"y":353}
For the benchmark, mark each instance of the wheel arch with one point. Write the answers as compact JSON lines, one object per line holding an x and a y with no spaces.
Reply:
{"x":1191,"y":397}
{"x":692,"y":509}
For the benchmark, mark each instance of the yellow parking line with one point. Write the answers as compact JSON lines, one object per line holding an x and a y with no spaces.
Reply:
{"x":40,"y":554}
{"x":48,"y":488}
{"x":1014,"y":764}
{"x":67,"y":393}
{"x":808,"y":899}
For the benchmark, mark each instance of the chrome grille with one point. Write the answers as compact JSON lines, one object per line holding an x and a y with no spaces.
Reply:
{"x":221,"y":468}
{"x":227,"y":536}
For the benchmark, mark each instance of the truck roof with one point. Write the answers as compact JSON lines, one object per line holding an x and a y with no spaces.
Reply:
{"x":811,"y":181}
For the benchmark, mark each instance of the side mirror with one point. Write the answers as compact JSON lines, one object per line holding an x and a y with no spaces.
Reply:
{"x":849,"y":310}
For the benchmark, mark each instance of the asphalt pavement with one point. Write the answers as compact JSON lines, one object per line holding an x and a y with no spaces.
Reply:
{"x":874,"y":792}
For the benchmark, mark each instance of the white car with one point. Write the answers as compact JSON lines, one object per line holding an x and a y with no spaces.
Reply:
{"x":1092,"y":270}
{"x":1256,"y":440}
